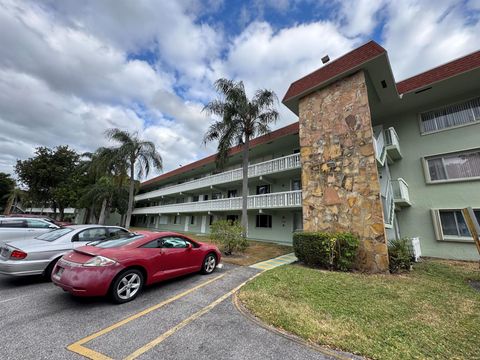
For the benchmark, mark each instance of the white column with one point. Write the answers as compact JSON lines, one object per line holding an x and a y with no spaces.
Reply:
{"x":187,"y":221}
{"x":204,"y":224}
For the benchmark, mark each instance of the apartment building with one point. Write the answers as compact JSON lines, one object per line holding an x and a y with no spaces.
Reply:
{"x":370,"y":155}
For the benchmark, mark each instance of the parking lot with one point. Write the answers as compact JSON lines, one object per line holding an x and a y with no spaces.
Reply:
{"x":191,"y":317}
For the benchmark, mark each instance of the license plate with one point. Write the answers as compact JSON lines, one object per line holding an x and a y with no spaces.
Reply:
{"x":59,"y":272}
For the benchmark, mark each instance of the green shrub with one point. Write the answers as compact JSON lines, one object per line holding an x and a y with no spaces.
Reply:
{"x":335,"y":251}
{"x":228,"y":236}
{"x":400,"y":255}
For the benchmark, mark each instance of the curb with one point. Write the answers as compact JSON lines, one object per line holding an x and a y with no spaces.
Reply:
{"x":333,"y":354}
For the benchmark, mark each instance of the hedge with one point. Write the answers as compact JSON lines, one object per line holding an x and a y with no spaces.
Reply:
{"x":334,"y":251}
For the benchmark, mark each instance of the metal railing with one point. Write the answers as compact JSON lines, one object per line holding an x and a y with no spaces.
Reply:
{"x":379,"y":145}
{"x":263,"y":168}
{"x":287,"y":199}
{"x":388,"y":206}
{"x":400,"y":190}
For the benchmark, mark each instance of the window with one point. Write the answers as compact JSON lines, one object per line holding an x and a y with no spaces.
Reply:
{"x":263,"y":189}
{"x":176,"y":219}
{"x":192,"y":220}
{"x":205,"y":197}
{"x":232,"y":193}
{"x":163,"y":220}
{"x":195,"y":198}
{"x":37,"y":224}
{"x":296,"y":185}
{"x":54,"y":234}
{"x":446,"y":167}
{"x":264,"y":221}
{"x":13,"y":223}
{"x":466,"y":112}
{"x":174,"y":242}
{"x":210,"y":221}
{"x":450,"y":224}
{"x":297,"y":221}
{"x":216,"y":196}
{"x":232,"y":218}
{"x":179,"y":200}
{"x":152,"y":244}
{"x":117,"y":232}
{"x":92,"y":234}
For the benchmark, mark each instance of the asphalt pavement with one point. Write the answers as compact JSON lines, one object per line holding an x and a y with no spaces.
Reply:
{"x":188,"y":318}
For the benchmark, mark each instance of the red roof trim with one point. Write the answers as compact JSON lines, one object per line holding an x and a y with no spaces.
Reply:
{"x":287,"y":130}
{"x":442,"y":72}
{"x":343,"y":64}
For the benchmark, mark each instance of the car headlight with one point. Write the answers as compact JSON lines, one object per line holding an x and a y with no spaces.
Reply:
{"x":100,"y":261}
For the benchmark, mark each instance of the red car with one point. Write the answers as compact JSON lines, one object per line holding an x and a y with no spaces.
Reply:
{"x":121,"y":267}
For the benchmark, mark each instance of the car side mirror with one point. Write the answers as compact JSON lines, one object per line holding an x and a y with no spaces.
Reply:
{"x":189,"y":246}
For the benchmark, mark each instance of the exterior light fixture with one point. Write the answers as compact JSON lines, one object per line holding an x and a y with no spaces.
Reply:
{"x":325,"y":59}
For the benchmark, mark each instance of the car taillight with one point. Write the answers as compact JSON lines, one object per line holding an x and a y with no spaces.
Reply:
{"x":18,"y":255}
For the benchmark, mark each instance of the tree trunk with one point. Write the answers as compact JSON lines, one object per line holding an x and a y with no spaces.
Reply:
{"x":103,"y":212}
{"x":245,"y":187}
{"x":92,"y":219}
{"x":61,"y":209}
{"x":130,"y":194}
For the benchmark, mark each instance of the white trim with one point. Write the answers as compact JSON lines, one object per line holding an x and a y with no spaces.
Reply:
{"x":437,"y":227}
{"x":476,"y":121}
{"x":426,"y":170}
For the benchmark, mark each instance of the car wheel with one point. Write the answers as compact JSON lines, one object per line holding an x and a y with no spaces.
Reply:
{"x":127,"y":286}
{"x":47,"y":274}
{"x":209,"y":264}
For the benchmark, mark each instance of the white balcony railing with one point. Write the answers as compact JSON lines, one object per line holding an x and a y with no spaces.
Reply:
{"x":263,"y":168}
{"x":392,"y":144}
{"x":400,"y":192}
{"x":388,"y":206}
{"x":287,"y":199}
{"x":379,"y":145}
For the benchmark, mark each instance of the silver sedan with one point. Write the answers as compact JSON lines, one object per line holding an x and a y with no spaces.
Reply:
{"x":38,"y":256}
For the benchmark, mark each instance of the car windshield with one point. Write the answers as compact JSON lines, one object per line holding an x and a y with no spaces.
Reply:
{"x":54,"y":234}
{"x":116,"y":242}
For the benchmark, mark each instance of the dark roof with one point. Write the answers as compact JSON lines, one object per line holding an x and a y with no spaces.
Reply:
{"x":343,"y":64}
{"x":287,"y":130}
{"x":442,"y":72}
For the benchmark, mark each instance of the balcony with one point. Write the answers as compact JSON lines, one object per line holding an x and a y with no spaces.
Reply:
{"x":279,"y":200}
{"x":392,"y":144}
{"x":400,"y":193}
{"x":379,"y":145}
{"x":263,"y":168}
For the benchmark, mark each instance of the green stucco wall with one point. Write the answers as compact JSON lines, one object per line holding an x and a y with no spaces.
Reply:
{"x":417,"y":220}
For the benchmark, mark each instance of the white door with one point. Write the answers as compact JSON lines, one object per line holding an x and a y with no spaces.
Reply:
{"x":204,"y":224}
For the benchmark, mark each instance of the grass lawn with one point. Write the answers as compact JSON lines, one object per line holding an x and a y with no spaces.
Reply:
{"x":431,"y":312}
{"x":256,"y":252}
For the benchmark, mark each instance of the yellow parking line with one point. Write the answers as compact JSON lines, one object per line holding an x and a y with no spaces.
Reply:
{"x":185,"y":322}
{"x":77,"y":347}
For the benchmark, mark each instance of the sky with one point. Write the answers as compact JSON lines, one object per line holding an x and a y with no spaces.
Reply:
{"x":69,"y":70}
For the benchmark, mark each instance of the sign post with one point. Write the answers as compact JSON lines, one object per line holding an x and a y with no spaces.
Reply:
{"x":472,"y":225}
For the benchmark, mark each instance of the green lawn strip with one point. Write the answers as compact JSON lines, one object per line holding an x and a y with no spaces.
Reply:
{"x":430,"y":313}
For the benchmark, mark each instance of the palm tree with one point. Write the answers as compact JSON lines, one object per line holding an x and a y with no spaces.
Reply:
{"x":136,"y":154}
{"x":241,"y":120}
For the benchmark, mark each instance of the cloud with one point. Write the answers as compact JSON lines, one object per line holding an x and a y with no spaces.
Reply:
{"x":445,"y":32}
{"x":264,"y":58}
{"x":68,"y":72}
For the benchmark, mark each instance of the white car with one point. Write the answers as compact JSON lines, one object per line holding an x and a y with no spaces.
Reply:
{"x":21,"y":228}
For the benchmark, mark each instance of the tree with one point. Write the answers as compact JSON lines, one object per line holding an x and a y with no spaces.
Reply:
{"x":51,"y":177}
{"x":138,"y":155}
{"x":7,"y":185}
{"x":241,"y":120}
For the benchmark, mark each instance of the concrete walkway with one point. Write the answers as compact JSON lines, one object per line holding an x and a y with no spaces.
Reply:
{"x":273,"y":263}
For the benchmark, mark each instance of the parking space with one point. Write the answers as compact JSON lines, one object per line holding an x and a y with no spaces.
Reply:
{"x":187,"y":318}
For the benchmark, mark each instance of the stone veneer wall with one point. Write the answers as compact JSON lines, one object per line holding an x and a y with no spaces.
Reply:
{"x":341,"y":189}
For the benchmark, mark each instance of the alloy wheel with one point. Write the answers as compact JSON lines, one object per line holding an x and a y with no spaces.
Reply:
{"x":128,"y":286}
{"x":210,"y":263}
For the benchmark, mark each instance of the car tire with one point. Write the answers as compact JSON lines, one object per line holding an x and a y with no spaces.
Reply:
{"x":126,"y":286}
{"x":47,"y":273}
{"x":209,"y":264}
